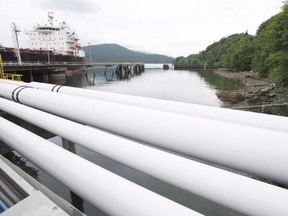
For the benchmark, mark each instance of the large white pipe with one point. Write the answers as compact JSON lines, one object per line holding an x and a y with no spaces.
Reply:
{"x":109,"y":192}
{"x":233,"y":116}
{"x":254,"y":150}
{"x":211,"y":183}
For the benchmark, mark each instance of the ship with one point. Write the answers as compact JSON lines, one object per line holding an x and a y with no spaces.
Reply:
{"x":46,"y":43}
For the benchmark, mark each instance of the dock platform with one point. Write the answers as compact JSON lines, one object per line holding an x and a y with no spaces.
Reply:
{"x":20,"y":194}
{"x":41,"y":71}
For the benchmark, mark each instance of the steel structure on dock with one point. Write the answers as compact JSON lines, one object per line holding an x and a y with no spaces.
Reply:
{"x":9,"y":76}
{"x":22,"y":195}
{"x":28,"y":70}
{"x":36,"y":65}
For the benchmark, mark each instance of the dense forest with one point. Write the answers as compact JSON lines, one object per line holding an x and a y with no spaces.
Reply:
{"x":265,"y":53}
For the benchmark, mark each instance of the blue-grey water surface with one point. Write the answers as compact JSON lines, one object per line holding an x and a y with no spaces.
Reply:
{"x":184,"y":86}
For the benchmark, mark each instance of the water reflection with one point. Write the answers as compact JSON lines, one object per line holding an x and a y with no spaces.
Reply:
{"x":22,"y":163}
{"x":90,"y":77}
{"x":220,"y":82}
{"x":105,"y":74}
{"x":198,"y":87}
{"x":183,"y":86}
{"x":109,"y":73}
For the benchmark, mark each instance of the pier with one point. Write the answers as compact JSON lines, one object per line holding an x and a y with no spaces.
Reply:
{"x":164,"y":139}
{"x":47,"y":71}
{"x":194,"y":67}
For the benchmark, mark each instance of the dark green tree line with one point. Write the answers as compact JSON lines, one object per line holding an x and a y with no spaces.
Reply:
{"x":265,"y":53}
{"x":233,"y":52}
{"x":271,"y":48}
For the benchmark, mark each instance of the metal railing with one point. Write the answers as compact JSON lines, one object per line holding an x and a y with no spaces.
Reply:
{"x":38,"y":63}
{"x":262,"y":108}
{"x":8,"y":76}
{"x":56,"y":63}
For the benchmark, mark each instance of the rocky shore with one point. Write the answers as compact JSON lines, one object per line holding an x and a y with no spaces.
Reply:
{"x":254,"y":91}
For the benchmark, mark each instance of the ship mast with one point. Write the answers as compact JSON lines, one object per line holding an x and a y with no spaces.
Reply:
{"x":51,"y":17}
{"x":16,"y":31}
{"x":50,"y":20}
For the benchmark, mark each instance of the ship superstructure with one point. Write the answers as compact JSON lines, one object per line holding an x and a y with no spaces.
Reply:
{"x":59,"y":39}
{"x":47,"y":43}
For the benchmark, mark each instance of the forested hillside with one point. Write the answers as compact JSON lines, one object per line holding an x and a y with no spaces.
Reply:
{"x":265,"y":53}
{"x":117,"y":53}
{"x":233,"y":52}
{"x":271,"y":48}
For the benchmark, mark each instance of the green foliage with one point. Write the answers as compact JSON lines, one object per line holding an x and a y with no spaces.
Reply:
{"x":264,"y":46}
{"x":279,"y":67}
{"x":233,"y":52}
{"x":282,"y":90}
{"x":181,"y":60}
{"x":22,"y":163}
{"x":271,"y":48}
{"x":239,"y":55}
{"x":266,"y":53}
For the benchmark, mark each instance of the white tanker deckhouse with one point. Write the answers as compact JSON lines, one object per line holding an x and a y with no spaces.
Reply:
{"x":59,"y":39}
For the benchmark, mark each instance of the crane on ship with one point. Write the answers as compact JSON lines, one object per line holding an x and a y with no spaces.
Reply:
{"x":15,"y":31}
{"x":51,"y":17}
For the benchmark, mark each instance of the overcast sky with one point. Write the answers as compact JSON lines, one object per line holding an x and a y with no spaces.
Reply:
{"x":169,"y":27}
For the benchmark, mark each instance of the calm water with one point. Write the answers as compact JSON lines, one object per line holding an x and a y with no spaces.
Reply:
{"x":184,"y":86}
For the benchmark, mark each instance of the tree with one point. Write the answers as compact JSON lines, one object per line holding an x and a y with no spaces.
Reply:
{"x":232,"y":52}
{"x":240,"y":54}
{"x":271,"y":48}
{"x":279,"y":68}
{"x":181,"y":60}
{"x":266,"y":53}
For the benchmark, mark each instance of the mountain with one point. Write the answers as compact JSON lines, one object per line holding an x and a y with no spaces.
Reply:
{"x":117,"y":53}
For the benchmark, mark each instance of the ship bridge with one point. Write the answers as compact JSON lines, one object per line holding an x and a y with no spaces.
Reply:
{"x":47,"y":29}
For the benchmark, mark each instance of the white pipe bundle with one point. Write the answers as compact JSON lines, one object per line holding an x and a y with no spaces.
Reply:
{"x":173,"y":169}
{"x":254,"y":150}
{"x":109,"y":192}
{"x":215,"y":113}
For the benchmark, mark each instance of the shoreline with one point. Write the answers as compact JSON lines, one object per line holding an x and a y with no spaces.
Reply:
{"x":253,"y":91}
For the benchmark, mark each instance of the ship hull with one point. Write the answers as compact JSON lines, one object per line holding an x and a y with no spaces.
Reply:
{"x":8,"y":55}
{"x":32,"y":56}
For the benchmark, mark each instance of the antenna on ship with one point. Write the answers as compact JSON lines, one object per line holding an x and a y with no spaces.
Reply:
{"x":16,"y":31}
{"x":51,"y":17}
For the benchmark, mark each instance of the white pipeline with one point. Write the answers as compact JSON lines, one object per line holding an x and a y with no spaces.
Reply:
{"x":211,"y":183}
{"x":233,"y":116}
{"x":254,"y":150}
{"x":105,"y":190}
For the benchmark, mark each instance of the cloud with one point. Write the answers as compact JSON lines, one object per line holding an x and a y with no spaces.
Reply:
{"x":158,"y":26}
{"x":80,"y":6}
